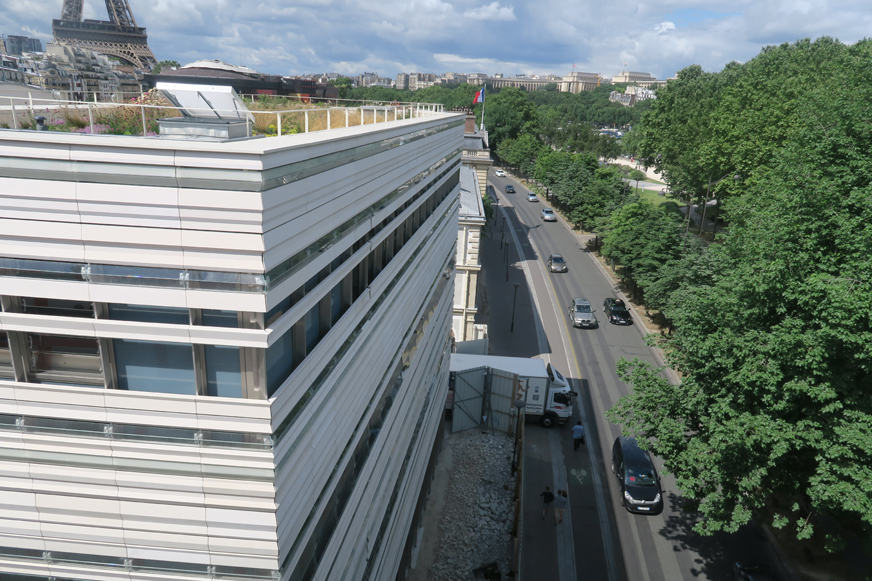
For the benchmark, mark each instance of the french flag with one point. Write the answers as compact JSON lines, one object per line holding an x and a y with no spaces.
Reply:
{"x":479,"y":97}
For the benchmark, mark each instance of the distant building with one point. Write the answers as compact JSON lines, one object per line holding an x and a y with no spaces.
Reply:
{"x":402,"y":81}
{"x":454,"y":78}
{"x":632,"y":96}
{"x":526,"y":83}
{"x":9,"y":71}
{"x":576,"y":82}
{"x":467,"y":262}
{"x":17,"y":45}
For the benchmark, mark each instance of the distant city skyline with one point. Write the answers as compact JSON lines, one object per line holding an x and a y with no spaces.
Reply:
{"x":465,"y":36}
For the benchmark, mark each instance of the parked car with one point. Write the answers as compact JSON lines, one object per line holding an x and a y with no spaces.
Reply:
{"x":548,"y":215}
{"x":752,"y":573}
{"x":557,"y":264}
{"x":500,"y":173}
{"x":510,"y":189}
{"x":637,"y":477}
{"x":616,"y":312}
{"x":531,"y":197}
{"x":581,"y":313}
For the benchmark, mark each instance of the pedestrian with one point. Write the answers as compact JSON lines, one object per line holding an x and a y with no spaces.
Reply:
{"x":561,"y":502}
{"x":547,"y":499}
{"x":577,"y":435}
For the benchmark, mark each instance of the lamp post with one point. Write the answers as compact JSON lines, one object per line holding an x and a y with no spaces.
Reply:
{"x":736,"y":177}
{"x":507,"y":260}
{"x":519,"y":405}
{"x":514,"y":301}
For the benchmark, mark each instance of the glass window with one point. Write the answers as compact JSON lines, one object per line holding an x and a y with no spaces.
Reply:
{"x":5,"y":357}
{"x":223,"y":371}
{"x":279,"y":361}
{"x":149,"y":314}
{"x":220,"y":318}
{"x":335,"y":304}
{"x":61,"y":359}
{"x":58,"y":308}
{"x":155,"y":367}
{"x":313,"y":327}
{"x":277,"y":311}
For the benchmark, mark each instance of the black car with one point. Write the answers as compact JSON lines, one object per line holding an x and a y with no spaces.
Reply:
{"x":752,"y":573}
{"x":510,"y":189}
{"x":616,"y":312}
{"x":637,"y":477}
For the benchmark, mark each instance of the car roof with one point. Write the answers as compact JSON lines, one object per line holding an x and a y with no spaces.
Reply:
{"x":634,"y":456}
{"x":547,"y":210}
{"x":580,"y":301}
{"x":555,"y":256}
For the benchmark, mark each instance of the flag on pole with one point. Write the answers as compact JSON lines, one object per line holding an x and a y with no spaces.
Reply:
{"x":479,"y":97}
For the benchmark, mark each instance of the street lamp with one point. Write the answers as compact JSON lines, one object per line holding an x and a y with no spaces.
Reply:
{"x":736,"y":177}
{"x":514,"y":301}
{"x":519,"y":405}
{"x":507,"y":260}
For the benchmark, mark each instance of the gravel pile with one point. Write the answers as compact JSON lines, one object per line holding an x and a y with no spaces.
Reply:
{"x":476,"y":523}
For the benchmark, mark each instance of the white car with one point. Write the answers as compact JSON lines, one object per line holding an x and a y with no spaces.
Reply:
{"x":531,"y":197}
{"x":548,"y":215}
{"x":500,"y":173}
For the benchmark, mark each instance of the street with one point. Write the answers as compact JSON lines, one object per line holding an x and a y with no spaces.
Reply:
{"x":600,"y":539}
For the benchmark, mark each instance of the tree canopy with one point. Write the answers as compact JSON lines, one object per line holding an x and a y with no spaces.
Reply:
{"x":773,"y":325}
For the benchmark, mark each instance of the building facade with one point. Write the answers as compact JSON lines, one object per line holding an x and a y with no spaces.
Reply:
{"x":223,"y":359}
{"x":578,"y":82}
{"x":17,"y":45}
{"x":468,"y":265}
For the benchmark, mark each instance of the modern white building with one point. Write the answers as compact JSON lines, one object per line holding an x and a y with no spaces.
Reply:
{"x":223,"y":360}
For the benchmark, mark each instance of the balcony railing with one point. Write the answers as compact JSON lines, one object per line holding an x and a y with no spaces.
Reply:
{"x":268,"y":115}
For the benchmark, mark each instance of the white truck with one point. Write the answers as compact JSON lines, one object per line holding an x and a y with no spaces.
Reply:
{"x":543,"y":389}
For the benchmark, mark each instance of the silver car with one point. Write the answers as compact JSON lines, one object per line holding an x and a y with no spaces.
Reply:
{"x":557,"y":264}
{"x":531,"y":197}
{"x":548,"y":215}
{"x":581,"y":313}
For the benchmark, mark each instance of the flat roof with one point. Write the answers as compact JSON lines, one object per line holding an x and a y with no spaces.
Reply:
{"x":522,"y":366}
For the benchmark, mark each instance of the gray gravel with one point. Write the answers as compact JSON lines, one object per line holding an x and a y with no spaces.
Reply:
{"x":476,"y":523}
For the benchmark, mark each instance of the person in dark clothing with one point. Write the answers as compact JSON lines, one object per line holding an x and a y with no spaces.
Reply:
{"x":547,"y":499}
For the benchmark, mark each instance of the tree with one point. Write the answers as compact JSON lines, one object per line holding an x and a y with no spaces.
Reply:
{"x":637,"y":176}
{"x":506,"y":114}
{"x":521,"y":152}
{"x":344,"y":86}
{"x":773,"y":418}
{"x":164,"y":65}
{"x":642,"y":237}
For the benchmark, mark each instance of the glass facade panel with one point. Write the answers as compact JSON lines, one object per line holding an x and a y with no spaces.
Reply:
{"x":155,"y":367}
{"x":58,"y":308}
{"x":5,"y":357}
{"x":149,"y":314}
{"x":313,"y":327}
{"x":279,"y":361}
{"x":68,"y":360}
{"x":220,"y":318}
{"x":335,"y":304}
{"x":223,"y":371}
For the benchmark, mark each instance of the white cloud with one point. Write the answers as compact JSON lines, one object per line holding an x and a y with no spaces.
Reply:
{"x":492,"y":12}
{"x":542,"y":36}
{"x":664,"y":27}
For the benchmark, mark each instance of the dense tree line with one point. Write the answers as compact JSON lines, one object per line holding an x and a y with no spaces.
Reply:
{"x":773,"y":337}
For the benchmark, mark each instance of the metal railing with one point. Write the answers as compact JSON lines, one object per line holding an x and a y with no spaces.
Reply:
{"x":141,"y":118}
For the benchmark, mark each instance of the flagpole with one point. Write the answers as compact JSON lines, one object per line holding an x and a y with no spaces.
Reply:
{"x":483,"y":99}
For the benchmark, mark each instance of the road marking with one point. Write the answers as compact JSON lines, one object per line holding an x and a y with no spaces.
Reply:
{"x":579,"y":475}
{"x":565,"y":545}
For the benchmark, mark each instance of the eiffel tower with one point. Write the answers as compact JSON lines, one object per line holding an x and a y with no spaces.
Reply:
{"x":119,"y":37}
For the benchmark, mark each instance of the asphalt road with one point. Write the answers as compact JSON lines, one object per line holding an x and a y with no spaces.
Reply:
{"x":602,"y":540}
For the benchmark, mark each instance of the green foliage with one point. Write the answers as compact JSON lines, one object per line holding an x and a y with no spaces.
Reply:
{"x":521,"y":152}
{"x":506,"y":115}
{"x":774,"y":330}
{"x":642,"y":237}
{"x":164,"y":65}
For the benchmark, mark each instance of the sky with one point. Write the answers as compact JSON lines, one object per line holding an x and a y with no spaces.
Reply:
{"x":507,"y":36}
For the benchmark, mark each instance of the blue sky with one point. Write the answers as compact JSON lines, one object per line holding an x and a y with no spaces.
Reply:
{"x":505,"y":36}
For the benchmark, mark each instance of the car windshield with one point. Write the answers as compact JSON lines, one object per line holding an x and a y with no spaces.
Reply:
{"x":557,"y":259}
{"x":582,"y":308}
{"x":618,"y":307}
{"x":547,"y":211}
{"x":640,"y":477}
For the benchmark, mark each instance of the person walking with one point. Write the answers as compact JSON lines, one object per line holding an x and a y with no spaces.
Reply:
{"x":561,"y":503}
{"x":547,"y":499}
{"x":577,"y":435}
